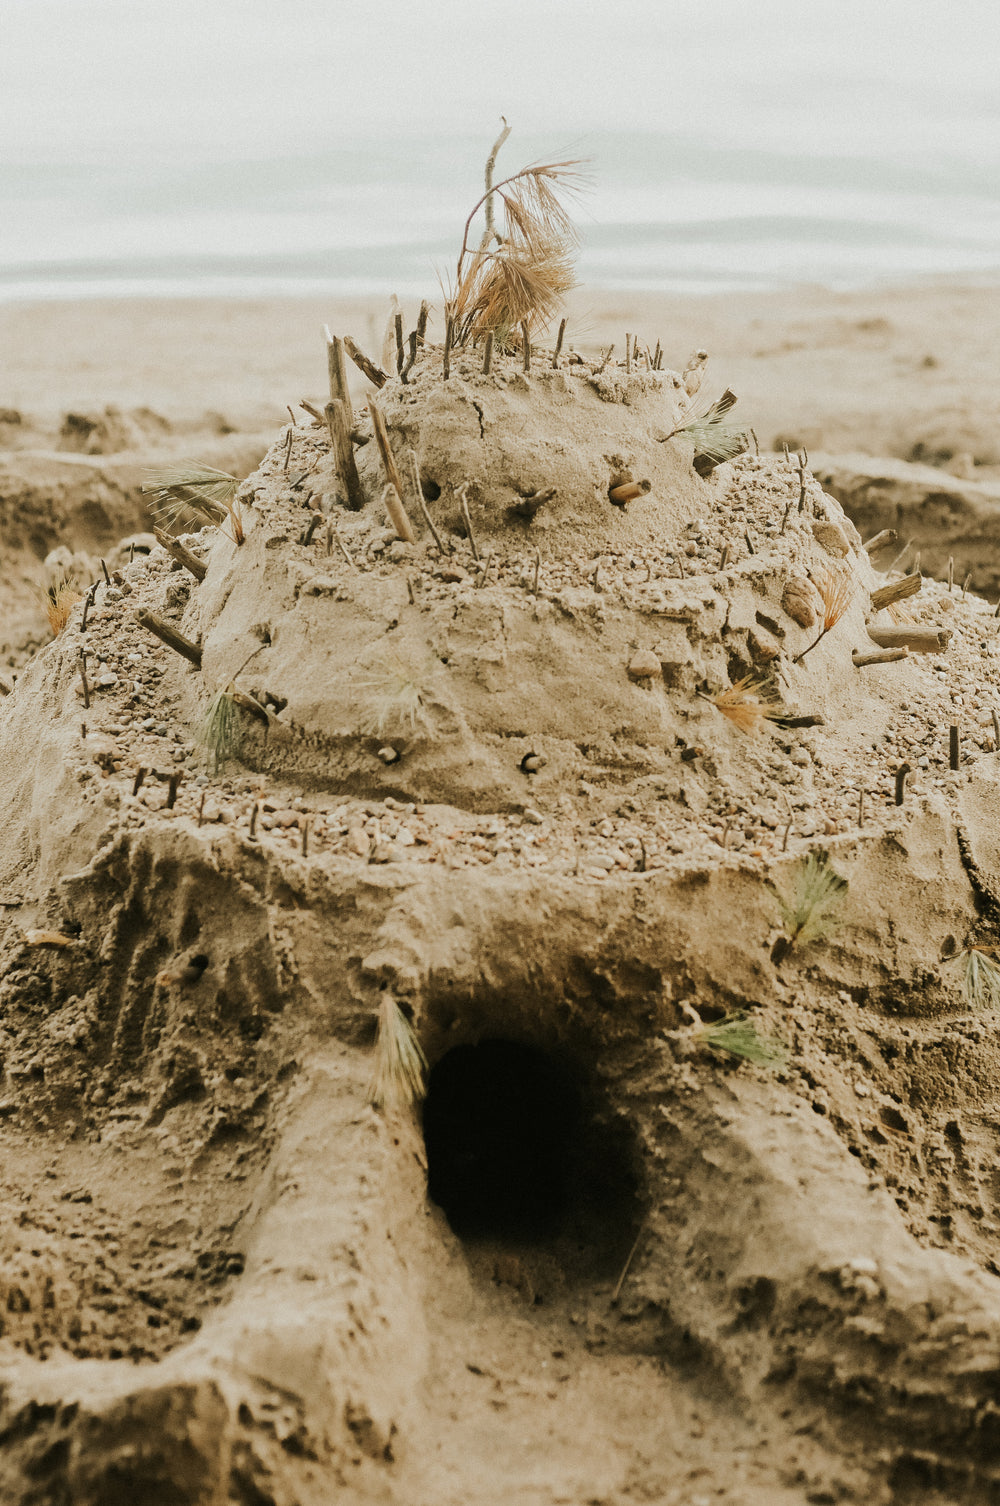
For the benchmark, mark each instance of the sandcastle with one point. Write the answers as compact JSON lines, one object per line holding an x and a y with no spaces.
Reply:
{"x":531,"y":781}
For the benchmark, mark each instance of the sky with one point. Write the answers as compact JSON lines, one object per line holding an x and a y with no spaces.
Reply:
{"x":103,"y":81}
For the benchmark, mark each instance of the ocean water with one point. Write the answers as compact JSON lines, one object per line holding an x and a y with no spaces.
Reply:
{"x":659,"y":212}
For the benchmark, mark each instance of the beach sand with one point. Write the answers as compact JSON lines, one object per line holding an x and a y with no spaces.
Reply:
{"x":645,"y":795}
{"x":880,"y":371}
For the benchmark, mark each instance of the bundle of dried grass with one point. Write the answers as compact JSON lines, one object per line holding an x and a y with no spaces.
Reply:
{"x":188,"y":486}
{"x":979,"y":977}
{"x":399,"y":1072}
{"x":836,"y":590}
{"x":58,"y":601}
{"x":750,"y":703}
{"x":526,"y":275}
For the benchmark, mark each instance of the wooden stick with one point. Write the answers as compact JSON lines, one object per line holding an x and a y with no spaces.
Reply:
{"x":881,"y":541}
{"x":538,"y":566}
{"x":140,"y":775}
{"x":526,"y":507}
{"x":897,"y":590}
{"x":657,"y":356}
{"x":480,"y":580}
{"x":861,"y":808}
{"x":183,"y":556}
{"x":397,"y":513}
{"x":107,"y":577}
{"x":337,"y":418}
{"x":313,"y":412}
{"x":398,"y":322}
{"x":901,"y":774}
{"x":422,"y":318}
{"x":172,"y":784}
{"x":628,"y":491}
{"x":559,"y":344}
{"x":929,"y":640}
{"x":468,"y":521}
{"x":724,"y":560}
{"x":996,"y":732}
{"x":954,"y":753}
{"x":966,"y":584}
{"x":449,"y":335}
{"x":83,"y":677}
{"x":951,"y":572}
{"x":628,"y":1261}
{"x":170,"y":637}
{"x":338,"y":374}
{"x":628,"y":354}
{"x":488,"y":353}
{"x":881,"y":656}
{"x":526,"y":342}
{"x":414,"y":467}
{"x":405,"y":373}
{"x":344,"y":549}
{"x":374,"y":373}
{"x":306,"y":536}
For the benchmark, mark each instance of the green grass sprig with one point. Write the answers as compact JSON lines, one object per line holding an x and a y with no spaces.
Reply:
{"x":399,"y":1073}
{"x":738,"y":1036}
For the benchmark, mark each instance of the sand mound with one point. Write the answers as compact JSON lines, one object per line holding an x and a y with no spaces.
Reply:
{"x":520,"y":776}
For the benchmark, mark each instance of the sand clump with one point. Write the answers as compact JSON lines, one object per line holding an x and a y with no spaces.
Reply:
{"x":497,"y":778}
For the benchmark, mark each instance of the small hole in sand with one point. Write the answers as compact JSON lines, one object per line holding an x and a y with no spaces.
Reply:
{"x":430,"y":489}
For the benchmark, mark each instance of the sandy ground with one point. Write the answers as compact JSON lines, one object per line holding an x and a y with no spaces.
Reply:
{"x":878,"y":371}
{"x":222,"y":1281}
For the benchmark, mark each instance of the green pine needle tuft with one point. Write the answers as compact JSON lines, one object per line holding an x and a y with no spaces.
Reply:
{"x":737,"y":1036}
{"x":220,"y":730}
{"x":715,"y":439}
{"x":979,"y":978}
{"x":812,"y":910}
{"x":400,"y":1067}
{"x":398,"y":702}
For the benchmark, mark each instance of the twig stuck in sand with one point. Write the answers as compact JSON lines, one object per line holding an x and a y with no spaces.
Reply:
{"x":896,"y":590}
{"x":628,"y":491}
{"x":901,"y":774}
{"x":464,"y":501}
{"x":559,"y":344}
{"x":170,"y":637}
{"x":397,"y":513}
{"x":83,"y":678}
{"x":411,"y":358}
{"x":954,"y":751}
{"x":337,"y":418}
{"x":449,"y":335}
{"x":398,"y":326}
{"x":183,"y":556}
{"x":337,"y":371}
{"x":920,"y":640}
{"x":418,"y":487}
{"x":488,"y":353}
{"x":374,"y":373}
{"x":880,"y":540}
{"x":526,"y":344}
{"x":880,"y":656}
{"x":398,"y":1078}
{"x":306,"y":536}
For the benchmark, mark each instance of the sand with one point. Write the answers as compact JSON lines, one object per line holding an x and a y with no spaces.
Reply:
{"x":500,"y":783}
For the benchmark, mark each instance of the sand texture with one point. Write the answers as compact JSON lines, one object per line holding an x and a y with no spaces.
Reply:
{"x":547,"y":780}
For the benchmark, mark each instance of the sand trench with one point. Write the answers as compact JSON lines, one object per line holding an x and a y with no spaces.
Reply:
{"x":259,"y":1303}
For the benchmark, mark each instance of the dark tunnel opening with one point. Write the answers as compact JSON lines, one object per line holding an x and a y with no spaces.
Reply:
{"x":517,"y":1150}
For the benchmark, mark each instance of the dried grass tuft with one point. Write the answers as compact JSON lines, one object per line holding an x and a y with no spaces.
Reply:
{"x":527,"y":274}
{"x":979,"y":977}
{"x":188,"y":486}
{"x":836,"y":591}
{"x":399,"y":701}
{"x":749,"y":703}
{"x":400,"y":1066}
{"x":59,"y":600}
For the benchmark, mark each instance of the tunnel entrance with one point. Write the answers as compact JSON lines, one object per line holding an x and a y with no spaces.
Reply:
{"x":517,"y":1150}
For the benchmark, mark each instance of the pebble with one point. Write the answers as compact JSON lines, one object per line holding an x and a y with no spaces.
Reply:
{"x":644,"y":665}
{"x":358,"y":841}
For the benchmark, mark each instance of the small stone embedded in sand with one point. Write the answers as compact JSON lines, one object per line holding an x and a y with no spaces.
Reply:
{"x":798,"y":600}
{"x":832,"y":538}
{"x":644,"y":665}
